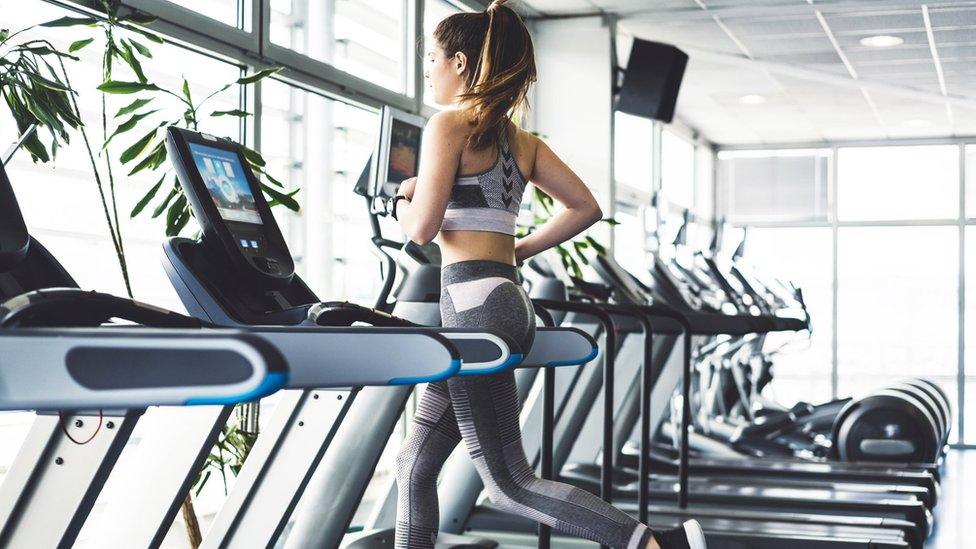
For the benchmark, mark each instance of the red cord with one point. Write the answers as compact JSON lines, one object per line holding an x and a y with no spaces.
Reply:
{"x":64,"y":429}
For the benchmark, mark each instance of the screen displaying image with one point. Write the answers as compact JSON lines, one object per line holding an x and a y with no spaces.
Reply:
{"x":223,"y":175}
{"x":404,"y":151}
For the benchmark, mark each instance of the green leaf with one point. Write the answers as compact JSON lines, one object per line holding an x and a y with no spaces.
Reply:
{"x":139,"y":19}
{"x":253,"y":157}
{"x":600,"y":248}
{"x":273,"y":181}
{"x":138,"y":147}
{"x":186,"y":91}
{"x":252,"y":78}
{"x":78,"y":44}
{"x":133,"y":61}
{"x":4,"y":34}
{"x":143,"y":50}
{"x":611,"y":221}
{"x":150,"y":35}
{"x":133,"y":107}
{"x":70,"y":22}
{"x":175,"y":209}
{"x":166,"y":201}
{"x":285,"y":200}
{"x":121,"y":87}
{"x":150,"y":194}
{"x":128,"y":125}
{"x":153,"y":160}
{"x":47,"y":83}
{"x":236,"y":112}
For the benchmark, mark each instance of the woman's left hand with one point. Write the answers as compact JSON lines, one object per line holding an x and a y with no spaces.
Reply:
{"x":407,"y":187}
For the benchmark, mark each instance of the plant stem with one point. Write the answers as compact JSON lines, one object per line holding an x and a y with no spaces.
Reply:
{"x":192,"y":524}
{"x":117,"y":235}
{"x":98,"y":181}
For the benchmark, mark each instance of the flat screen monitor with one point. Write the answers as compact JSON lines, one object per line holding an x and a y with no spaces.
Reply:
{"x":397,"y":155}
{"x":224,"y":177}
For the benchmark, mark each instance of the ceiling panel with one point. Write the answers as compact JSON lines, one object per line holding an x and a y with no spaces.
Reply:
{"x":779,"y":50}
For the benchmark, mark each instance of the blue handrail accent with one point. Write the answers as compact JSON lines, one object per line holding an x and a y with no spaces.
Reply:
{"x":575,"y":362}
{"x":450,"y":372}
{"x":272,"y":382}
{"x":513,"y":360}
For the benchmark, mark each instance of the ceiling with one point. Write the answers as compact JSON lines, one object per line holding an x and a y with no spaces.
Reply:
{"x":816,"y":82}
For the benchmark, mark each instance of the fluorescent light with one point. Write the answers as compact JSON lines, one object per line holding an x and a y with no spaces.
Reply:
{"x":917,"y":123}
{"x":882,"y":41}
{"x":752,"y":99}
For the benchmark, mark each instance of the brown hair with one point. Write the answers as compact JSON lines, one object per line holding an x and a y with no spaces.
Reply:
{"x":499,"y":49}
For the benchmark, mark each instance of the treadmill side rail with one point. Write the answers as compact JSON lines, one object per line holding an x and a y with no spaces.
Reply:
{"x":71,"y":369}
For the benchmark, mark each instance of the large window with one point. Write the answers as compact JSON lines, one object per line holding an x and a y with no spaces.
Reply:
{"x":878,"y":183}
{"x":897,"y":312}
{"x":228,"y":12}
{"x":678,"y":169}
{"x":366,"y":38}
{"x":888,"y":243}
{"x":321,"y":146}
{"x":802,"y":256}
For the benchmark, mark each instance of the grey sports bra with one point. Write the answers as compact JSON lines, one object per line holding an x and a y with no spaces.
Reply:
{"x":488,"y":201}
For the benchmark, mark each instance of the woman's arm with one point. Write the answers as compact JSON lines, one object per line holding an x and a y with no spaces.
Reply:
{"x":581,"y":211}
{"x":422,"y":213}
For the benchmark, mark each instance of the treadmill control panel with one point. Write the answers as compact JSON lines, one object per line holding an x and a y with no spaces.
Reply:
{"x":227,"y":200}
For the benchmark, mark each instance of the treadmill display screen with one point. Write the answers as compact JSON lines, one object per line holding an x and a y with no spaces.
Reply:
{"x":404,"y":151}
{"x":223,"y":175}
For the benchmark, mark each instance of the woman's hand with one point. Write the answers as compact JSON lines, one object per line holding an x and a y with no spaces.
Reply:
{"x":407,"y":188}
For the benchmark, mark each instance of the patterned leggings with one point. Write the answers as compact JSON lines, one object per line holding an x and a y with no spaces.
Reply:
{"x":484,"y":412}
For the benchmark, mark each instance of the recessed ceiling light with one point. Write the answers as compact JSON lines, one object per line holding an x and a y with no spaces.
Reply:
{"x":752,"y":99}
{"x":917,"y":123}
{"x":882,"y":41}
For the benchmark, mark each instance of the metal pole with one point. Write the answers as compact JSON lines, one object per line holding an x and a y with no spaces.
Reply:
{"x":644,"y":461}
{"x":548,"y":398}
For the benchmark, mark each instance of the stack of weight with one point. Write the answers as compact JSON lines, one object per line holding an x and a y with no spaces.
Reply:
{"x":905,"y":422}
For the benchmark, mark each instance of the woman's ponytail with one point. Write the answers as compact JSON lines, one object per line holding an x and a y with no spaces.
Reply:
{"x":500,"y":48}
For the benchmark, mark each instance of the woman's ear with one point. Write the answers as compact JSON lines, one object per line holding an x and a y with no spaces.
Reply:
{"x":460,"y":62}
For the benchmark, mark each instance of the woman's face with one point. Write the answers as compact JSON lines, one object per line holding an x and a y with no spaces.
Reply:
{"x":445,"y":75}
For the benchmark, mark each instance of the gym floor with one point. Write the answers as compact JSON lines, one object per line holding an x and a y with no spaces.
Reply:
{"x":953,"y":530}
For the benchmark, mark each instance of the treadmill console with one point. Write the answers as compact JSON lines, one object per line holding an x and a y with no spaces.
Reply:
{"x":226,"y":199}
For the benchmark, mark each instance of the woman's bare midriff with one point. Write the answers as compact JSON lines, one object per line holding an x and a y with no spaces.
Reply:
{"x":476,"y":245}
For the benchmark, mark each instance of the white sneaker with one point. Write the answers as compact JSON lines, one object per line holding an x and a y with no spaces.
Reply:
{"x":694,"y":535}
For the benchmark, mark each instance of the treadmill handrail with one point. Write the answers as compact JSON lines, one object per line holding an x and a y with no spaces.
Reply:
{"x":133,"y":367}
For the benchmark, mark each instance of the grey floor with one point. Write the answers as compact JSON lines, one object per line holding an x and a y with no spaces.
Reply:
{"x":955,"y":515}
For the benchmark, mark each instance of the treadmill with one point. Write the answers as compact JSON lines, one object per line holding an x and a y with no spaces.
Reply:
{"x":91,"y":382}
{"x":316,"y":435}
{"x":924,"y":475}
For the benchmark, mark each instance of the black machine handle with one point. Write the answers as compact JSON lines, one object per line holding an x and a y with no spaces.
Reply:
{"x":344,"y":313}
{"x":71,"y":307}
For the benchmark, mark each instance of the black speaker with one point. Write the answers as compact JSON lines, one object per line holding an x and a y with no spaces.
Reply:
{"x":652,"y":80}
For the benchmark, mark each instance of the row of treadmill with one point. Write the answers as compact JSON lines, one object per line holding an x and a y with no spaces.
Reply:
{"x":646,"y":388}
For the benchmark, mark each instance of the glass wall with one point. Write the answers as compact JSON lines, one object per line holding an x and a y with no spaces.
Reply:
{"x":890,"y":244}
{"x":366,"y":38}
{"x":805,"y":256}
{"x":678,"y":169}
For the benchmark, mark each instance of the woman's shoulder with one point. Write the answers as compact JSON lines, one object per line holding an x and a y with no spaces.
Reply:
{"x":449,"y":122}
{"x":524,"y":140}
